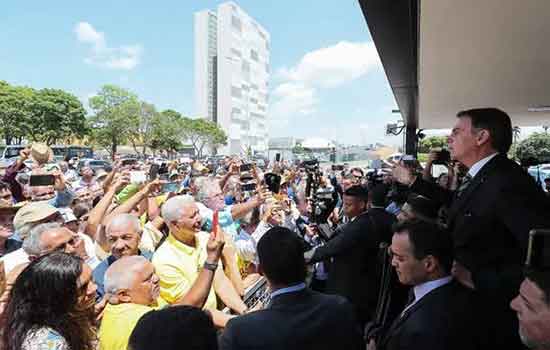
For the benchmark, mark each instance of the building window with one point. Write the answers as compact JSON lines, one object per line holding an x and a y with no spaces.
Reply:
{"x":254,"y":55}
{"x":236,"y":92}
{"x":236,"y":23}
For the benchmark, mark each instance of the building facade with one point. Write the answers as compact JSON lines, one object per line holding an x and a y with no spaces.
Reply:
{"x":232,"y":76}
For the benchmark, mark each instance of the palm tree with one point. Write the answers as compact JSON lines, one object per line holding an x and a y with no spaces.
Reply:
{"x":516,"y":130}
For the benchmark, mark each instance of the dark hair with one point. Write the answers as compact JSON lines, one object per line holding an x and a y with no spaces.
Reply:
{"x":281,"y":256}
{"x":358,"y":191}
{"x":176,"y":323}
{"x":46,"y":294}
{"x":428,"y":239}
{"x":357,"y":169}
{"x":378,"y":194}
{"x":542,"y":279}
{"x":4,"y":185}
{"x":496,"y":121}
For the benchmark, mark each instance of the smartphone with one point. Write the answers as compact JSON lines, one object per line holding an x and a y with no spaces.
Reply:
{"x":409,"y":161}
{"x":137,"y":177}
{"x":538,"y":250}
{"x":128,"y":162}
{"x":248,"y":187}
{"x":170,"y":187}
{"x":337,"y":167}
{"x":41,"y":180}
{"x":153,"y":172}
{"x":245,"y":167}
{"x":273,"y":182}
{"x":442,"y":157}
{"x":278,"y":157}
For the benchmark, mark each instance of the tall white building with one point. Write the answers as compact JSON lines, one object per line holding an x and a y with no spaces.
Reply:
{"x":232,"y":76}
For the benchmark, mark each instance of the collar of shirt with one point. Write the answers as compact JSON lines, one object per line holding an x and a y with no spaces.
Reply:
{"x":182,"y":246}
{"x":479,"y":165}
{"x":422,"y":289}
{"x":289,"y":289}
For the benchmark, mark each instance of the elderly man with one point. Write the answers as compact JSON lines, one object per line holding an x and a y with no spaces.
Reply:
{"x":183,"y":254}
{"x":123,"y":235}
{"x":133,"y":290}
{"x":28,"y":217}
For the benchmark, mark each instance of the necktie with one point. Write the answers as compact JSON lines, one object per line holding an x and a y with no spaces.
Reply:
{"x":464,"y":184}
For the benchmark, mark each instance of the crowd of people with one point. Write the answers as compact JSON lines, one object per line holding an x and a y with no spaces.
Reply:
{"x":162,"y":257}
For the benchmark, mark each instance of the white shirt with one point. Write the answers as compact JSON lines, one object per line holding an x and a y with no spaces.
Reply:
{"x":11,"y":260}
{"x":479,"y":165}
{"x":424,"y":288}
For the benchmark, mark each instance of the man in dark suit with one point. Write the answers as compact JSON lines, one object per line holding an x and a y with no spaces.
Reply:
{"x":441,"y":313}
{"x":297,"y":318}
{"x":490,"y":214}
{"x":354,"y":272}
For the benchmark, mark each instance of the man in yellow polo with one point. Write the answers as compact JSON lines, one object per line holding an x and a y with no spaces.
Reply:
{"x":184,"y":253}
{"x":132,"y":289}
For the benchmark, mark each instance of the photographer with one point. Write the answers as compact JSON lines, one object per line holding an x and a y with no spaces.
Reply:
{"x":353,"y":250}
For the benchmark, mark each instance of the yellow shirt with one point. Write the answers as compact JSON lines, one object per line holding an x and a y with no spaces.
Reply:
{"x":118,"y":323}
{"x":178,"y":266}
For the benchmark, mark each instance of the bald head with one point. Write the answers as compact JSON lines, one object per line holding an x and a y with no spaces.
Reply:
{"x":131,"y":279}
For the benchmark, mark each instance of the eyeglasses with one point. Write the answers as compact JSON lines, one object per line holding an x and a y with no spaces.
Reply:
{"x":72,"y":242}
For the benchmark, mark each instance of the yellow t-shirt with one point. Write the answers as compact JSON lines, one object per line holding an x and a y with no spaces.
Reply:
{"x":178,"y":265}
{"x":118,"y":323}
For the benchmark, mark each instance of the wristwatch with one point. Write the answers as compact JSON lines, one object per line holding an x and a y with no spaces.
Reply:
{"x":210,"y":266}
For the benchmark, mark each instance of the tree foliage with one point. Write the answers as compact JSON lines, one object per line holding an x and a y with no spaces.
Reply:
{"x":432,"y":142}
{"x":47,"y":115}
{"x":201,"y":133}
{"x":536,"y":146}
{"x":116,"y":117}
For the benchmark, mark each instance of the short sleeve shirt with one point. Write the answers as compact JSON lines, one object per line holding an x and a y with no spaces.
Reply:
{"x":178,"y":266}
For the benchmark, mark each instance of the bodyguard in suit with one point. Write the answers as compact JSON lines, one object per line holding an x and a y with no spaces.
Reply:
{"x":490,"y":213}
{"x":441,"y":313}
{"x":297,"y":318}
{"x":354,"y":270}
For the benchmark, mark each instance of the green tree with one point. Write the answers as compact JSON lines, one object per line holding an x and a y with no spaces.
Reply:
{"x":516,"y":131}
{"x":537,"y":146}
{"x":116,"y":117}
{"x":432,"y":142}
{"x":56,"y":116}
{"x":167,"y":131}
{"x":201,"y":132}
{"x":15,"y":112}
{"x":142,"y":132}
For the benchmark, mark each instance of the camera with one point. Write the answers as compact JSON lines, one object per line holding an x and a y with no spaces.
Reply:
{"x":248,"y":187}
{"x":442,"y":157}
{"x":337,"y":167}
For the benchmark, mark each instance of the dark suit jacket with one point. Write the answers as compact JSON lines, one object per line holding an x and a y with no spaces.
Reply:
{"x":444,"y":319}
{"x":299,"y":320}
{"x":490,"y":224}
{"x":355,"y":270}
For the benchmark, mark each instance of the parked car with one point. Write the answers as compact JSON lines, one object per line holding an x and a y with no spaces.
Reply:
{"x":94,"y":164}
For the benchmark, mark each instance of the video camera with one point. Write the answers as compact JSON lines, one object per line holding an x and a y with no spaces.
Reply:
{"x":323,"y":200}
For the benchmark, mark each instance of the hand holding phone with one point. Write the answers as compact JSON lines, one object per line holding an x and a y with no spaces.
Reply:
{"x":42,"y":180}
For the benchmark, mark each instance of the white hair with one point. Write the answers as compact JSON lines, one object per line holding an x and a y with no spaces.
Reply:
{"x":204,"y":185}
{"x":121,"y":273}
{"x":172,"y":210}
{"x":122,"y":221}
{"x":32,"y":245}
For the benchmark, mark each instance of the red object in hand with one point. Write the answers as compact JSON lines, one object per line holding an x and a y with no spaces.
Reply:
{"x":215,"y":222}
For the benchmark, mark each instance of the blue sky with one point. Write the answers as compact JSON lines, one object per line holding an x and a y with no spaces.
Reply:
{"x":327,"y":80}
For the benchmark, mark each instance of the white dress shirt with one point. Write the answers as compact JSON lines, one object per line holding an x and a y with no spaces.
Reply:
{"x":479,"y":165}
{"x":424,"y":288}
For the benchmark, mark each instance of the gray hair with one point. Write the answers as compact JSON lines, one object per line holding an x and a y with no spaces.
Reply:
{"x":32,"y":245}
{"x":204,"y":185}
{"x":172,"y":210}
{"x":122,"y":220}
{"x":121,"y":273}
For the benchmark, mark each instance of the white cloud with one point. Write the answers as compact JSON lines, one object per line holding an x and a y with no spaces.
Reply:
{"x":334,"y":65}
{"x":125,"y":57}
{"x":328,"y":67}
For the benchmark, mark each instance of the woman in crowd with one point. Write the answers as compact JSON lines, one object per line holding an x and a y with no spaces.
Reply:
{"x":51,"y":306}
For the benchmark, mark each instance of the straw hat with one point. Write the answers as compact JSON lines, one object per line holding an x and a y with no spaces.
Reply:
{"x":41,"y":153}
